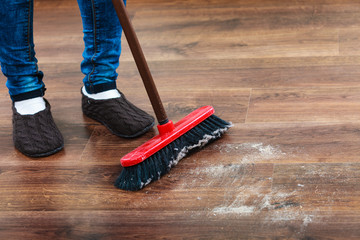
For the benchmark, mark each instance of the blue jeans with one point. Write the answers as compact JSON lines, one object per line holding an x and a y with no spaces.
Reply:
{"x":102,"y":38}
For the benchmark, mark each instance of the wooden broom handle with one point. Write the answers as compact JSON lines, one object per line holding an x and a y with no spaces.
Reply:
{"x":140,"y":61}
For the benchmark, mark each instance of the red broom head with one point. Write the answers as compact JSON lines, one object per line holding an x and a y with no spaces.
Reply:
{"x":167,"y":133}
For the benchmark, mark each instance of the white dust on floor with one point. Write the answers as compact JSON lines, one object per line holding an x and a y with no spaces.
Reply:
{"x":248,"y":195}
{"x":253,"y":152}
{"x":249,"y":153}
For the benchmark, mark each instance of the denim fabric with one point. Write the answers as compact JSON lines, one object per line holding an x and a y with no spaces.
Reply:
{"x":17,"y":56}
{"x":102,"y":37}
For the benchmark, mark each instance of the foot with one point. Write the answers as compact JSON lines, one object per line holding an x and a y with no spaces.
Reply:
{"x":119,"y":115}
{"x":36,"y":135}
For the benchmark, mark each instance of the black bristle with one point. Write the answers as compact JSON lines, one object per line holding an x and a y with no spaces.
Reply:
{"x":136,"y":177}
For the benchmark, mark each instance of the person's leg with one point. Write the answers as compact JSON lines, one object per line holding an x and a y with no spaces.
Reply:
{"x":101,"y":99}
{"x":34,"y":131}
{"x":17,"y":55}
{"x":102,"y":38}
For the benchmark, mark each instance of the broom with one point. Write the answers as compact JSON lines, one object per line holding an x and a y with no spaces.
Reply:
{"x":157,"y":156}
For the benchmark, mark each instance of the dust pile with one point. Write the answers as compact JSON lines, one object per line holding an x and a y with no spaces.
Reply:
{"x":247,"y":193}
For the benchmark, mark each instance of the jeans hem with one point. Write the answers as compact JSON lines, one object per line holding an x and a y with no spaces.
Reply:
{"x":100,"y":87}
{"x":28,"y":95}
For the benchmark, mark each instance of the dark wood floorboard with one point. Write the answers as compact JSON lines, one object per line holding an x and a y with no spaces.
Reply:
{"x":285,"y":73}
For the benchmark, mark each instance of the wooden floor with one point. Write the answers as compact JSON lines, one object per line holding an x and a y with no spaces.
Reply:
{"x":286,"y":73}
